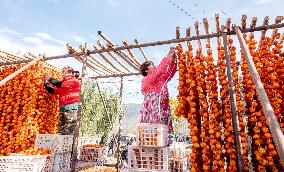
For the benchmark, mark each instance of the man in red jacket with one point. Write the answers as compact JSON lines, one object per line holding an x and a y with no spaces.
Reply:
{"x":69,"y":97}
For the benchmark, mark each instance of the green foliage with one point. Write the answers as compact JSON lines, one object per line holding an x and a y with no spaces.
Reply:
{"x":178,"y":122}
{"x":94,"y":119}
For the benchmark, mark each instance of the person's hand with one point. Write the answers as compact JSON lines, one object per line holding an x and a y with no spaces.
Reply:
{"x":172,"y":55}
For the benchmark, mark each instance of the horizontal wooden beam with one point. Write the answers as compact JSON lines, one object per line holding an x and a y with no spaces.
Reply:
{"x":171,"y":41}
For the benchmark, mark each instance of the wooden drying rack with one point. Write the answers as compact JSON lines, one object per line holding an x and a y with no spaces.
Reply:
{"x":127,"y":64}
{"x":114,"y":62}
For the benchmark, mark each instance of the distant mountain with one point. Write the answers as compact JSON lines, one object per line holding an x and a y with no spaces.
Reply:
{"x":132,"y":112}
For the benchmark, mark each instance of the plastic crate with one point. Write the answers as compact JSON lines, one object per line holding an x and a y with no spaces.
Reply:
{"x":90,"y":154}
{"x":22,"y":163}
{"x":178,"y":164}
{"x":61,"y":162}
{"x":152,"y":135}
{"x":178,"y":149}
{"x":54,"y":142}
{"x":143,"y":158}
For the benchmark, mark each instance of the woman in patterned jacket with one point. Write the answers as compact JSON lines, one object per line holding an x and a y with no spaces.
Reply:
{"x":156,"y":108}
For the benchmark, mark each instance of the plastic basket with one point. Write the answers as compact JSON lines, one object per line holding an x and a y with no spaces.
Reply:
{"x":152,"y":135}
{"x":61,"y":162}
{"x":178,"y":164}
{"x":144,"y":158}
{"x":22,"y":163}
{"x":54,"y":142}
{"x":90,"y":154}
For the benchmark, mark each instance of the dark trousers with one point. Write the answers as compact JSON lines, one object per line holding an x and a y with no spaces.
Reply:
{"x":67,"y":122}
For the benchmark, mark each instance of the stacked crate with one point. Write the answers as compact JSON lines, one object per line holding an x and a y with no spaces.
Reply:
{"x":151,"y":152}
{"x":60,"y":146}
{"x":93,"y":154}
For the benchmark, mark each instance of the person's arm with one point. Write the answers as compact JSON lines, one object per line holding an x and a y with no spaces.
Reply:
{"x":49,"y":82}
{"x":54,"y":82}
{"x":49,"y":88}
{"x":167,"y":68}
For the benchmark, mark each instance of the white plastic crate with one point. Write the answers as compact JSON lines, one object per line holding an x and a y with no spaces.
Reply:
{"x":48,"y":163}
{"x":178,"y":164}
{"x":143,"y":158}
{"x":178,"y":149}
{"x":22,"y":163}
{"x":91,"y":154}
{"x":152,"y":135}
{"x":61,"y":162}
{"x":54,"y":142}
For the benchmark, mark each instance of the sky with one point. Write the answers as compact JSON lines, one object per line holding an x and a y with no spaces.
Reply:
{"x":45,"y":26}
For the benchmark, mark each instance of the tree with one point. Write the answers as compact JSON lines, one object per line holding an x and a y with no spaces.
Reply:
{"x":95,"y":119}
{"x":178,"y":122}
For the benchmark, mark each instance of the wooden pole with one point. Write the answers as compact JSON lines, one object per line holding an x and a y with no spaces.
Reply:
{"x":106,"y":60}
{"x":132,"y":55}
{"x":150,"y":44}
{"x":112,"y":45}
{"x":244,"y":21}
{"x":111,"y":54}
{"x":80,"y":108}
{"x":233,"y":106}
{"x":197,"y":34}
{"x":142,"y":51}
{"x":271,"y":120}
{"x":119,"y":123}
{"x":17,"y":72}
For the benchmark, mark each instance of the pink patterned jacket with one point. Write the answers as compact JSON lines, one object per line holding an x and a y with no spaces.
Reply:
{"x":155,"y":80}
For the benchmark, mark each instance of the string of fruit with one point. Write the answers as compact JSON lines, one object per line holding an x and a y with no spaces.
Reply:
{"x":26,"y":108}
{"x":268,"y":72}
{"x":230,"y":151}
{"x":239,"y":103}
{"x":199,"y":63}
{"x":194,"y":118}
{"x":215,"y":116}
{"x":182,"y":105}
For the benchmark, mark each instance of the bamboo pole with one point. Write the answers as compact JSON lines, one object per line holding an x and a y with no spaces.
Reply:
{"x":217,"y":28}
{"x":197,"y":34}
{"x":177,"y":32}
{"x":271,"y":120}
{"x":233,"y":103}
{"x":206,"y":28}
{"x":253,"y":22}
{"x":99,"y":67}
{"x":129,"y":62}
{"x":228,"y":24}
{"x":244,"y":21}
{"x":134,"y":58}
{"x":17,"y":72}
{"x":119,"y":123}
{"x":10,"y":54}
{"x":106,"y":60}
{"x":156,"y":43}
{"x":265,"y":22}
{"x":112,"y":45}
{"x":80,"y":107}
{"x":96,"y":62}
{"x":111,"y":54}
{"x":278,"y":20}
{"x":141,"y":50}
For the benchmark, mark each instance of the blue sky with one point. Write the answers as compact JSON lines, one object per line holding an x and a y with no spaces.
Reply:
{"x":45,"y":26}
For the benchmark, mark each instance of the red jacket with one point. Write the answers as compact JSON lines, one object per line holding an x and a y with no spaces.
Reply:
{"x":69,"y":92}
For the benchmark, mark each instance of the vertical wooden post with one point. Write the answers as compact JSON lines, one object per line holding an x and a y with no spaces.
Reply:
{"x":271,"y":120}
{"x":119,"y":123}
{"x":76,"y":134}
{"x":233,"y":106}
